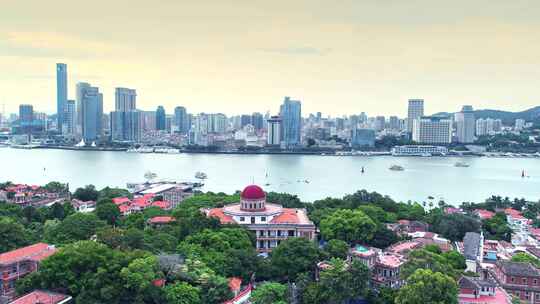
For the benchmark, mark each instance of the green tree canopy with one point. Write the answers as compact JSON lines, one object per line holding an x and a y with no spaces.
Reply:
{"x":425,"y":286}
{"x":182,"y":293}
{"x":76,"y":227}
{"x":269,"y":293}
{"x":351,"y":226}
{"x":88,"y":193}
{"x":13,"y":235}
{"x":294,"y":256}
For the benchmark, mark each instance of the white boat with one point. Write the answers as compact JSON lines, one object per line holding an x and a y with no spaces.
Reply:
{"x":461,"y":165}
{"x":396,"y":168}
{"x":201,"y":175}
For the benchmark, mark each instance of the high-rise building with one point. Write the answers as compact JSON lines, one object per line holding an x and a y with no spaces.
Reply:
{"x":291,"y":122}
{"x":519,"y":124}
{"x":61,"y":94}
{"x":245,"y":120}
{"x":432,"y":130}
{"x":92,"y":113}
{"x":125,"y":99}
{"x":126,"y":126}
{"x":274,"y":131}
{"x":393,"y":123}
{"x":380,"y":123}
{"x":181,"y":120}
{"x":148,"y":121}
{"x":161,"y":119}
{"x":414,"y":111}
{"x":79,"y":95}
{"x":257,"y":121}
{"x":465,"y":125}
{"x":26,"y":114}
{"x":488,"y":126}
{"x":70,"y":117}
{"x":217,"y":123}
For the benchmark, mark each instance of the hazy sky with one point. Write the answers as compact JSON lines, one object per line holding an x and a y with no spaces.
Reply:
{"x":240,"y":56}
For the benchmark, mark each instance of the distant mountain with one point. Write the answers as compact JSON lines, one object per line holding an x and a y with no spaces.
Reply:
{"x":508,"y":118}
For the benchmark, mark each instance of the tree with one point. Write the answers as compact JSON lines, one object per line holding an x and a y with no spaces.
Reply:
{"x":216,"y":290}
{"x":107,"y":211}
{"x":425,"y":286}
{"x":383,"y":238}
{"x":269,"y":293}
{"x":351,"y":226}
{"x":182,"y":293}
{"x":497,"y":228}
{"x":110,"y":193}
{"x":336,"y":249}
{"x":294,"y":256}
{"x":454,"y":226}
{"x":76,"y":227}
{"x":88,"y":193}
{"x":13,"y":235}
{"x":139,"y":275}
{"x":522,"y":257}
{"x":425,"y":259}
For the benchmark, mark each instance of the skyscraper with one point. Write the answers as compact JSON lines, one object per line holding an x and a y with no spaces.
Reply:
{"x":291,"y":122}
{"x":380,"y":123}
{"x":257,"y":120}
{"x":414,"y":111}
{"x":274,"y":129}
{"x":80,"y":91}
{"x":26,"y":114}
{"x":126,"y":126}
{"x":91,"y":101}
{"x":393,"y":123}
{"x":61,"y":94}
{"x":161,"y":118}
{"x":125,"y":99}
{"x":465,"y":125}
{"x":181,"y":119}
{"x":70,"y":117}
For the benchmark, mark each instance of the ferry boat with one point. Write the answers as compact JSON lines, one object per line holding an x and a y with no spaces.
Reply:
{"x":396,"y":168}
{"x":461,"y":165}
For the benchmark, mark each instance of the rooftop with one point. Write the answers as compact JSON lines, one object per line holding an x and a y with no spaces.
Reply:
{"x":161,"y":219}
{"x":519,"y":269}
{"x":36,"y":252}
{"x":42,"y":297}
{"x":158,"y":189}
{"x":500,"y":297}
{"x":471,"y":245}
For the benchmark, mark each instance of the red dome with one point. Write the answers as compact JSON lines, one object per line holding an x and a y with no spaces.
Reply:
{"x":253,"y":192}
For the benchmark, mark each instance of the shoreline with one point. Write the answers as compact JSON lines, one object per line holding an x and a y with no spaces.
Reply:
{"x":316,"y":153}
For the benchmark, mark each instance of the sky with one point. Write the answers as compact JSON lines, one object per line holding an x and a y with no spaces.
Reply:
{"x":241,"y":56}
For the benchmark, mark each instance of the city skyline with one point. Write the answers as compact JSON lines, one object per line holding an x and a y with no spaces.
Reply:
{"x":360,"y":55}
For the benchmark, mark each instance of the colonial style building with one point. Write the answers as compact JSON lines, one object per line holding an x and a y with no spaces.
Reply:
{"x":271,"y":222}
{"x":521,"y":280}
{"x":20,"y":262}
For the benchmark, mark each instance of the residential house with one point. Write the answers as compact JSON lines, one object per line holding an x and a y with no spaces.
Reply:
{"x":521,"y":280}
{"x":43,"y":297}
{"x":474,"y":290}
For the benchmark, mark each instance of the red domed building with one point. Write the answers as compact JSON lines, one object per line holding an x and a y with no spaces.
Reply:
{"x":271,"y":222}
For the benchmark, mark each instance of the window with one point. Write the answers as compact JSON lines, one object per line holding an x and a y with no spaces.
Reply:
{"x":291,"y":232}
{"x":253,"y":220}
{"x":263,"y":218}
{"x":512,"y":279}
{"x":524,"y":281}
{"x":535,"y":281}
{"x":242,"y":219}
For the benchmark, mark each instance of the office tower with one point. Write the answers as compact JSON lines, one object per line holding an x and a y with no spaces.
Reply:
{"x":291,"y":122}
{"x":70,"y":117}
{"x":414,"y":111}
{"x":393,"y":123}
{"x":79,"y":95}
{"x":148,"y":121}
{"x":318,"y":116}
{"x":61,"y":94}
{"x":126,"y":126}
{"x":217,"y":123}
{"x":340,"y":123}
{"x":181,"y":120}
{"x":362,"y":138}
{"x":26,"y":113}
{"x":432,"y":130}
{"x":465,"y":125}
{"x":91,"y":111}
{"x":201,"y":129}
{"x":169,"y":119}
{"x":354,"y":120}
{"x":161,"y":119}
{"x":125,"y":99}
{"x":245,"y":120}
{"x":380,"y":122}
{"x":274,"y":131}
{"x":257,"y":121}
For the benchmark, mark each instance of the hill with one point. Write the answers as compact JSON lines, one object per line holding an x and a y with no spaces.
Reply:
{"x":508,"y":118}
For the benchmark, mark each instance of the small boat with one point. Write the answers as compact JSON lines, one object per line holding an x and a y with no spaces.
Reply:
{"x":362,"y":170}
{"x":461,"y":165}
{"x":201,"y":175}
{"x":396,"y":168}
{"x":522,"y":173}
{"x":150,"y":175}
{"x":306,"y":181}
{"x":267,"y":184}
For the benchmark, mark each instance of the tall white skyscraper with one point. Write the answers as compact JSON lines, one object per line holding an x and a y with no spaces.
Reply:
{"x":414,"y":111}
{"x":432,"y":130}
{"x":291,"y":122}
{"x":61,"y":94}
{"x":465,"y":125}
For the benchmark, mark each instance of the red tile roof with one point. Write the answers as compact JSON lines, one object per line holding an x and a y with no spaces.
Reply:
{"x":161,"y":204}
{"x":123,"y":208}
{"x":223,"y":218}
{"x":235,"y":284}
{"x":288,"y":216}
{"x":36,"y":252}
{"x":120,"y":200}
{"x":162,"y":219}
{"x":42,"y":297}
{"x":484,"y":214}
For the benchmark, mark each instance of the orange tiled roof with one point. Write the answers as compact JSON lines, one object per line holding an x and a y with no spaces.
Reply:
{"x":41,"y":297}
{"x":161,"y":219}
{"x":288,"y":216}
{"x":218,"y":212}
{"x":235,"y":284}
{"x":36,"y":252}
